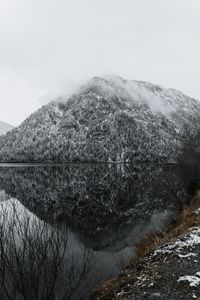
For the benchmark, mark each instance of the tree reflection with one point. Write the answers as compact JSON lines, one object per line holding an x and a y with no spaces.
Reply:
{"x":35,"y":261}
{"x":98,"y":201}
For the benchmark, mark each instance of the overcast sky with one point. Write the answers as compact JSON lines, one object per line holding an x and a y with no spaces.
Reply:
{"x":50,"y":46}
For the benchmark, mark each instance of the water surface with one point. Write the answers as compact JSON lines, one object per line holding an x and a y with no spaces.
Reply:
{"x":107,"y":209}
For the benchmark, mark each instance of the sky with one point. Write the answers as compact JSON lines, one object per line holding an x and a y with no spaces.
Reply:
{"x":48,"y":47}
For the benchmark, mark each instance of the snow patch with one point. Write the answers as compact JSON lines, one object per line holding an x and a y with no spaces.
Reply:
{"x":188,"y":255}
{"x":193,"y":280}
{"x":191,"y":239}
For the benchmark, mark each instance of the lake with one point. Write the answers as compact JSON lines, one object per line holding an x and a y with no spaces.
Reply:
{"x":90,"y":216}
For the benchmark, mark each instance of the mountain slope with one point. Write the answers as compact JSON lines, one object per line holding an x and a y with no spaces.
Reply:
{"x":108,"y":119}
{"x":4,"y":127}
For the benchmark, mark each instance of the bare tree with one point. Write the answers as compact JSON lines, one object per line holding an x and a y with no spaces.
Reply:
{"x":35,"y":261}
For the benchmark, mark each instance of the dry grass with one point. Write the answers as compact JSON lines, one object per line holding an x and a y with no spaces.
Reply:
{"x":186,"y":219}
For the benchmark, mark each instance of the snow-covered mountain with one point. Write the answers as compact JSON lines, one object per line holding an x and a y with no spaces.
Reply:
{"x":107,"y":119}
{"x":4,"y":127}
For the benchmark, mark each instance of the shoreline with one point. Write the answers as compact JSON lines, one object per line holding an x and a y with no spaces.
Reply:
{"x":152,"y":255}
{"x":58,"y":163}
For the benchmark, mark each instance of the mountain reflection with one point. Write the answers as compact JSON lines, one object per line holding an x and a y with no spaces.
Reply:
{"x":103,"y":204}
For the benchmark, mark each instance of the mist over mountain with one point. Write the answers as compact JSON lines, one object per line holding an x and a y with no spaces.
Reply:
{"x":4,"y":127}
{"x":107,"y":119}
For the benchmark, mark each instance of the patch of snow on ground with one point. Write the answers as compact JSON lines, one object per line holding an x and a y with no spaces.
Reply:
{"x":198,"y":211}
{"x":193,"y":280}
{"x":190,"y":240}
{"x":188,"y":255}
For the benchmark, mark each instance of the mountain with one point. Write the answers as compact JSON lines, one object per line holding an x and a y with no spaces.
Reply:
{"x":107,"y":119}
{"x":4,"y":127}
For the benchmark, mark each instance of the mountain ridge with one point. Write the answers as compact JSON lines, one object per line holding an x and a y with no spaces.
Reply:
{"x":5,"y":127}
{"x":109,"y":119}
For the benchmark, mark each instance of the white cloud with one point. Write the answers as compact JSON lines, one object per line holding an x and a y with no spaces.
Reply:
{"x":48,"y":46}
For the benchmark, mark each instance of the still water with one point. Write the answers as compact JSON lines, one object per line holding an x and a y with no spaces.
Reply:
{"x":103,"y":210}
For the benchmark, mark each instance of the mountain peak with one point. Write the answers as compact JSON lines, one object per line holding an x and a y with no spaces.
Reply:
{"x":131,"y":91}
{"x":108,"y":119}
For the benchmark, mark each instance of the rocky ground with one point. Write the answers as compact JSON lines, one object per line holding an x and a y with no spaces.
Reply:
{"x":172,"y":271}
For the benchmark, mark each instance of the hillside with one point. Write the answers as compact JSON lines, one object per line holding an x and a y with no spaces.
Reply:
{"x":107,"y":119}
{"x":4,"y":127}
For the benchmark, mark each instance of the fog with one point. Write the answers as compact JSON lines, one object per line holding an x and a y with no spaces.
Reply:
{"x":49,"y":47}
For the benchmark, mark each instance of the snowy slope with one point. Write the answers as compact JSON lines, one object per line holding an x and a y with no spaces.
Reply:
{"x":4,"y":127}
{"x":107,"y":119}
